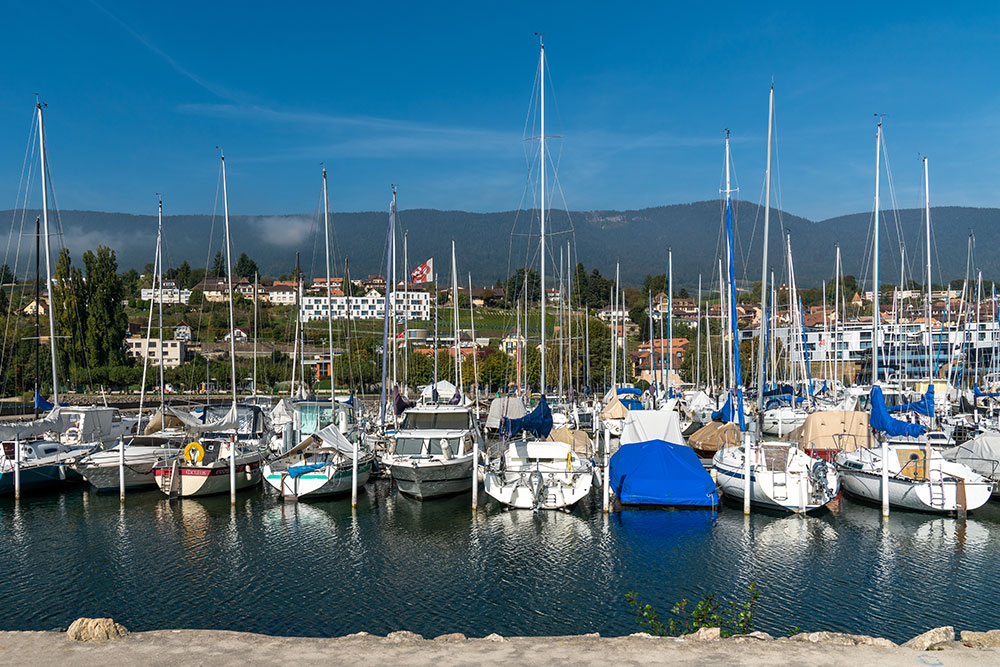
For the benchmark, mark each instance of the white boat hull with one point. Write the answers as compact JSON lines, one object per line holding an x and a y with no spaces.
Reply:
{"x":786,"y":490}
{"x":921,"y":496}
{"x":195,"y":480}
{"x":558,"y":489}
{"x":329,"y":481}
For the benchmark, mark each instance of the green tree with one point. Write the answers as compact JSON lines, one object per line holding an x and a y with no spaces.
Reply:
{"x":197,"y":297}
{"x":69,"y":308}
{"x":6,"y":275}
{"x":245,"y":267}
{"x":107,"y":323}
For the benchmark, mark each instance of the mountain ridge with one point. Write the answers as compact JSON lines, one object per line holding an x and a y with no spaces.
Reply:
{"x":492,"y":245}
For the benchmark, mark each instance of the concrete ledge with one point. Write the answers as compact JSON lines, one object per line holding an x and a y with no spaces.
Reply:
{"x":220,"y":648}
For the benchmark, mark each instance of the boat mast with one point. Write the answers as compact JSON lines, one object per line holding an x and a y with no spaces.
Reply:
{"x":329,"y":298}
{"x":697,"y":374}
{"x":762,"y":359}
{"x":541,"y":94}
{"x":159,"y":282}
{"x":406,"y":315}
{"x":836,"y":322}
{"x":927,"y":230}
{"x":232,"y":331}
{"x":670,"y":322}
{"x":875,"y":294}
{"x":38,"y":277}
{"x":48,"y":253}
{"x":256,"y":282}
{"x":454,"y":317}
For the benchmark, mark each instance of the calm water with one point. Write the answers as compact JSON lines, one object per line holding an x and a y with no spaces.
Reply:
{"x":319,"y":569}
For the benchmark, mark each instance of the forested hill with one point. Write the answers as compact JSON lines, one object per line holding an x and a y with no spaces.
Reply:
{"x":490,"y":245}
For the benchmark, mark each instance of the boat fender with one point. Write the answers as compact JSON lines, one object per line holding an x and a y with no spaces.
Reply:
{"x":194,"y":452}
{"x":569,"y":462}
{"x":446,"y":449}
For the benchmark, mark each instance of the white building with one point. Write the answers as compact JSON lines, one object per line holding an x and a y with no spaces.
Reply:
{"x":280,"y":295}
{"x":171,"y":353}
{"x":414,"y":305}
{"x":170,"y":294}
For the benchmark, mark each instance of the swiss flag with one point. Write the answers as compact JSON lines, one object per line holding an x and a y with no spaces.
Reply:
{"x":423,"y":273}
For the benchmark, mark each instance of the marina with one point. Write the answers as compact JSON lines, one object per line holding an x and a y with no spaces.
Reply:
{"x":339,"y":372}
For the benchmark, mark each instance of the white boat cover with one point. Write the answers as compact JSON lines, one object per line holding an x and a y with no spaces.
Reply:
{"x":282,"y":413}
{"x":446,"y":391}
{"x":192,"y":424}
{"x":505,"y":406}
{"x":646,"y":425}
{"x":326,"y":438}
{"x":51,"y":422}
{"x":700,"y":401}
{"x":982,"y":454}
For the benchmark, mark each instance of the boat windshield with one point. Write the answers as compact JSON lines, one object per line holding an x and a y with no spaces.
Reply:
{"x":409,"y":446}
{"x":436,"y":420}
{"x":435,"y":449}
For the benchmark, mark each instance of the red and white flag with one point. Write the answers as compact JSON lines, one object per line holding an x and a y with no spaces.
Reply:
{"x":423,"y":273}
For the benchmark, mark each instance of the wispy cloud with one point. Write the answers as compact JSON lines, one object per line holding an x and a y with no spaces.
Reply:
{"x":216,"y":90}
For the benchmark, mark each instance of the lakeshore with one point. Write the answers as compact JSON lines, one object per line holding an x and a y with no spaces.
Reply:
{"x":223,"y":648}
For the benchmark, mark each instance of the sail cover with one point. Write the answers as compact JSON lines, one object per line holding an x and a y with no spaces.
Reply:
{"x":726,"y":413}
{"x":50,"y":422}
{"x":537,"y":422}
{"x":979,"y":392}
{"x":925,"y":406}
{"x":882,"y":421}
{"x":504,"y":406}
{"x":657,"y":472}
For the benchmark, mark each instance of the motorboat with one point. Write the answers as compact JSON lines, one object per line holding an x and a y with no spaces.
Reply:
{"x":431,"y":451}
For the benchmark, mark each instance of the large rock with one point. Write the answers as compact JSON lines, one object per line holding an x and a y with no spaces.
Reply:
{"x":924,"y":641}
{"x":755,"y":635}
{"x":451,"y":637}
{"x":95,"y":629}
{"x":989,"y":639}
{"x":841,"y":639}
{"x":705,"y":634}
{"x":402,"y":636}
{"x":494,"y":637}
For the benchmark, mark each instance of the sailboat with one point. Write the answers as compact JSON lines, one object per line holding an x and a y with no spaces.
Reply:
{"x":906,"y":471}
{"x":216,"y":463}
{"x":34,"y":455}
{"x":774,"y":475}
{"x":327,"y":461}
{"x":534,"y":473}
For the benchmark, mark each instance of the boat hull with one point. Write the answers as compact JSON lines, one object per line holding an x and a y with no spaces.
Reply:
{"x":48,"y":477}
{"x":192,"y":481}
{"x":785,"y":491}
{"x":423,"y":479}
{"x":915,"y":495}
{"x":559,"y":489}
{"x":105,"y":478}
{"x":330,"y":481}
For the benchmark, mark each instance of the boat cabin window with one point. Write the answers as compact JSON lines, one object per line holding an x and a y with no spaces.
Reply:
{"x":409,"y":446}
{"x":436,"y":420}
{"x":434,"y":448}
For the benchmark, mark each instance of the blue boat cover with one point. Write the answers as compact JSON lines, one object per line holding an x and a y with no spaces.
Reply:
{"x":41,"y":403}
{"x":783,"y":389}
{"x":979,"y":392}
{"x":631,"y":403}
{"x":881,"y":420}
{"x":657,"y":472}
{"x":726,"y":413}
{"x":629,"y":390}
{"x":298,"y":471}
{"x":537,"y":422}
{"x":925,"y":406}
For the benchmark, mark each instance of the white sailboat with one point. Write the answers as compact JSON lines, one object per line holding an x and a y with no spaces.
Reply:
{"x":908,"y":473}
{"x":774,"y":475}
{"x":533,"y":473}
{"x":328,"y":459}
{"x":214,"y":464}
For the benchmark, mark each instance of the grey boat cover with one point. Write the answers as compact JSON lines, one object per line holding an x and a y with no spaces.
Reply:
{"x":646,"y":425}
{"x":51,"y":422}
{"x":982,"y":454}
{"x":505,"y":406}
{"x":326,"y":439}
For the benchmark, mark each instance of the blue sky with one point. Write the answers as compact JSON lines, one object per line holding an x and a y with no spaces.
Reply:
{"x":434,"y":96}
